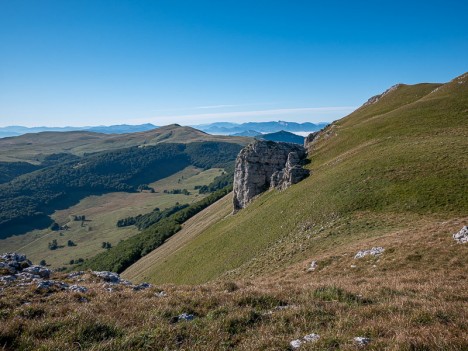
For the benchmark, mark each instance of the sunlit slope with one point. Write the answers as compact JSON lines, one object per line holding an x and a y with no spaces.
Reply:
{"x":377,"y":170}
{"x":146,"y":268}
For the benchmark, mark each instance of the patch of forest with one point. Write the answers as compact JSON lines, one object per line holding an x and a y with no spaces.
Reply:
{"x":27,"y":200}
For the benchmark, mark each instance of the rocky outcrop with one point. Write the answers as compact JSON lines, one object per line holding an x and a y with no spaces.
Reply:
{"x":376,"y":98}
{"x":291,"y":174}
{"x":18,"y":270}
{"x":264,"y":164}
{"x":309,"y":139}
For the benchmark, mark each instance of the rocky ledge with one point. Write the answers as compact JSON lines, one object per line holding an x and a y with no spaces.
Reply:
{"x":266,"y":164}
{"x":16,"y":270}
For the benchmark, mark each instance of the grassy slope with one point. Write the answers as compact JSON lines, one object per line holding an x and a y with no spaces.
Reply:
{"x":31,"y":147}
{"x":103,"y":212}
{"x":382,"y":169}
{"x":144,"y":269}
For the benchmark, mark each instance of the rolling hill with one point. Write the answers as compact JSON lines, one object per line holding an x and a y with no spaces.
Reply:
{"x":283,"y":136}
{"x":68,"y":173}
{"x":33,"y":147}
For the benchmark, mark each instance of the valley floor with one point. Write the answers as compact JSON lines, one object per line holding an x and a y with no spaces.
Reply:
{"x":102,"y":213}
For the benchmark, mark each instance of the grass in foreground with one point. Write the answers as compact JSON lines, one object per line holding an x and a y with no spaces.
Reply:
{"x":398,"y":309}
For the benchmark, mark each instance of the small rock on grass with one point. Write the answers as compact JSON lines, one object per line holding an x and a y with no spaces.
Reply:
{"x":361,"y":340}
{"x":375,"y":251}
{"x":295,"y":344}
{"x":462,"y":236}
{"x":312,"y":267}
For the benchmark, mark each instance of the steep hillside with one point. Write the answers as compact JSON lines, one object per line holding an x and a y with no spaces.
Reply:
{"x":391,"y":166}
{"x":144,"y":269}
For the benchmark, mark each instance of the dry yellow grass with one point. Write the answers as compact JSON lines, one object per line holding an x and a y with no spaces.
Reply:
{"x":413,"y":297}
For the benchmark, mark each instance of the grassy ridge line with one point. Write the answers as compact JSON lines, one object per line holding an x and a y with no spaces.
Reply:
{"x":129,"y":251}
{"x":410,"y":159}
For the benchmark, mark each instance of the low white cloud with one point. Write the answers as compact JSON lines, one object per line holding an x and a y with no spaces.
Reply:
{"x":301,"y":114}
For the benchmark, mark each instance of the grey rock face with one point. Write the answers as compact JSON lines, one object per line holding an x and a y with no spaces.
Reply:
{"x":310,"y":138}
{"x":264,"y":164}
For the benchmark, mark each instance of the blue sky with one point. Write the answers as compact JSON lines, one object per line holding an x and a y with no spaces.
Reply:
{"x":110,"y":62}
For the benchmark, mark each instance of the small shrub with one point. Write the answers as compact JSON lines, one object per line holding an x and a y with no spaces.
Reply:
{"x":230,"y":286}
{"x":239,"y":324}
{"x":31,"y":312}
{"x":95,"y":332}
{"x":262,"y":302}
{"x":333,"y":293}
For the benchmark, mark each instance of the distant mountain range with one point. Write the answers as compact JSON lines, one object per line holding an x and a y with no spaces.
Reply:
{"x":283,"y":136}
{"x":249,"y":128}
{"x":113,"y":129}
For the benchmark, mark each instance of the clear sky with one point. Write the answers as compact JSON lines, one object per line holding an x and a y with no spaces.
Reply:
{"x":95,"y":62}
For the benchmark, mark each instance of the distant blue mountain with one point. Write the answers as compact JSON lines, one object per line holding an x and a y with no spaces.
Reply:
{"x":226,"y":128}
{"x":283,"y":136}
{"x":113,"y":129}
{"x":247,"y":133}
{"x":122,"y":128}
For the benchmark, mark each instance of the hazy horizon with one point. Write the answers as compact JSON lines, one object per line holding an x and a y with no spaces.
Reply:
{"x":157,"y":125}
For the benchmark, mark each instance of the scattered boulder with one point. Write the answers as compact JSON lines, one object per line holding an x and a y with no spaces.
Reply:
{"x":375,"y":251}
{"x":142,"y":286}
{"x":17,"y":268}
{"x":51,"y":284}
{"x":185,"y":317}
{"x":74,"y":275}
{"x":361,"y":340}
{"x":38,"y":270}
{"x":462,"y":236}
{"x":7,"y":278}
{"x":78,"y":288}
{"x":307,"y":338}
{"x":160,"y":294}
{"x":264,"y":164}
{"x":313,"y":266}
{"x":109,"y":277}
{"x":12,"y":263}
